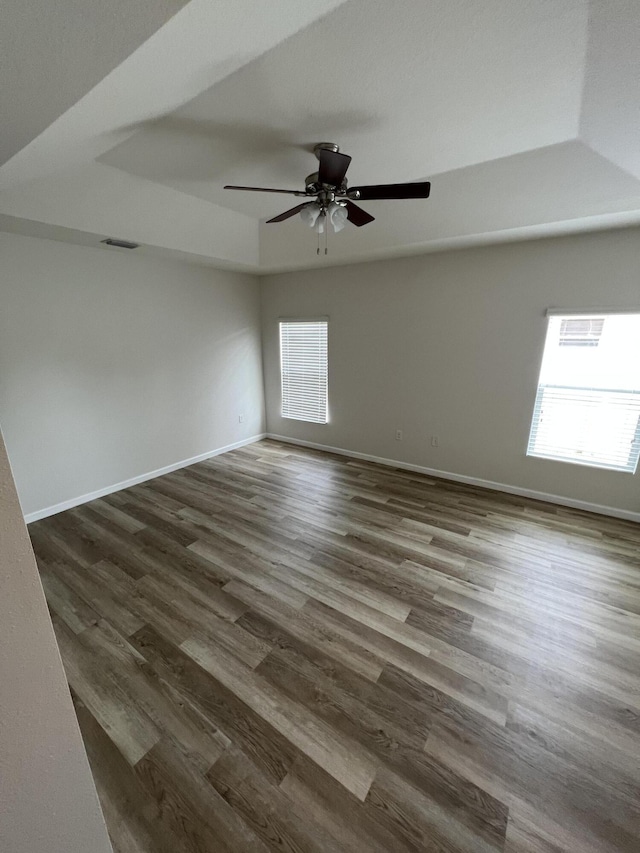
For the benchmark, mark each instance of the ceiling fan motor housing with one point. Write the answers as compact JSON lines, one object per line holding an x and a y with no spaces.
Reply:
{"x":312,"y":181}
{"x":313,"y":185}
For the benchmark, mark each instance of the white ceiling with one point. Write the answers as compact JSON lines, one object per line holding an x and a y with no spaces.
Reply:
{"x":524,"y":114}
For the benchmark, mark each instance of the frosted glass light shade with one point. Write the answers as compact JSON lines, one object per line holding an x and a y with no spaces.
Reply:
{"x":337,"y":216}
{"x":310,"y":214}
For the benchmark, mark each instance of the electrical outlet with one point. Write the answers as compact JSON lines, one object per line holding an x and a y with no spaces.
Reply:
{"x":398,"y":435}
{"x":240,"y":419}
{"x":434,"y":441}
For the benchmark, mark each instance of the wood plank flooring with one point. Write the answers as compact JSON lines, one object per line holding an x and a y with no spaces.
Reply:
{"x":284,"y":650}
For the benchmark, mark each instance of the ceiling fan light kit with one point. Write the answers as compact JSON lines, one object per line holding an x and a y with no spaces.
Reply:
{"x":316,"y":217}
{"x":333,"y":199}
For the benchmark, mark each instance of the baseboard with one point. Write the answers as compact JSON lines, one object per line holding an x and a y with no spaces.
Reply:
{"x":611,"y":511}
{"x":560,"y":500}
{"x":141,"y":478}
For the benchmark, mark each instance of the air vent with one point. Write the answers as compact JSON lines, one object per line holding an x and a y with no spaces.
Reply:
{"x":121,"y":244}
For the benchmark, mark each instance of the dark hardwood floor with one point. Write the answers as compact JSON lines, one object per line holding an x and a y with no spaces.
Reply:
{"x":283,"y":650}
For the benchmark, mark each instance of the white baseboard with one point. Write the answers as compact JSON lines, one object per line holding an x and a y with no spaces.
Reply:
{"x":141,"y":478}
{"x":611,"y":511}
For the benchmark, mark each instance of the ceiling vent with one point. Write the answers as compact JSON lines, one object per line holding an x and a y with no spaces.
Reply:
{"x":121,"y":244}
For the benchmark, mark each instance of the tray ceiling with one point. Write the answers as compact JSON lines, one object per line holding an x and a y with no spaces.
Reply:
{"x":522,"y":113}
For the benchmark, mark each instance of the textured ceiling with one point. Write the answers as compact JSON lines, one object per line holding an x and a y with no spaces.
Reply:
{"x":524,"y":114}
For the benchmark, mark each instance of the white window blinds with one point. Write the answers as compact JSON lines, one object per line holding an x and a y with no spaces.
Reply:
{"x":587,"y":407}
{"x":303,"y":366}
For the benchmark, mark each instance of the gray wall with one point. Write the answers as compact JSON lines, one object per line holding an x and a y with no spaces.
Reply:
{"x":48,"y":802}
{"x":450,"y":344}
{"x":113,"y":365}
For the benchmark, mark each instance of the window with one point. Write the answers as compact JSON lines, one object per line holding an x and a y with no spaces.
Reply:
{"x":303,"y":367}
{"x":587,"y":408}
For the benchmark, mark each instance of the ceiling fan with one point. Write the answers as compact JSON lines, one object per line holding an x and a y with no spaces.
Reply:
{"x":332,"y":198}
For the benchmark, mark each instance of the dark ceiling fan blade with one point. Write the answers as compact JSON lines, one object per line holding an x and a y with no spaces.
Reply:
{"x":381,"y":191}
{"x":288,"y":213}
{"x":265,"y":190}
{"x":333,"y":167}
{"x":357,"y":215}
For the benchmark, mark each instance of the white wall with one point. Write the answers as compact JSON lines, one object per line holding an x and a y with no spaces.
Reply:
{"x":114,"y":365}
{"x":48,"y":802}
{"x":450,"y":344}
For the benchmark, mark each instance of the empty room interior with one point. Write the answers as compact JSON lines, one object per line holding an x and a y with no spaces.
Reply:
{"x":320,"y":410}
